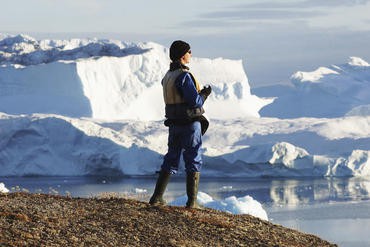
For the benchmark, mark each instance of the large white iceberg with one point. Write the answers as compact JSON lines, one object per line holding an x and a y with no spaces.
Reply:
{"x":109,"y":79}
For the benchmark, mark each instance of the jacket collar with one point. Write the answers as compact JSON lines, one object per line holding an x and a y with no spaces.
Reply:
{"x":177,"y":65}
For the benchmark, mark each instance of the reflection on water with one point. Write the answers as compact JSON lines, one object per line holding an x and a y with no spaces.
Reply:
{"x":268,"y":191}
{"x":295,"y":192}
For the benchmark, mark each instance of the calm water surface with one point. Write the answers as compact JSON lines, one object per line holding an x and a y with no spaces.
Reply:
{"x":336,"y":209}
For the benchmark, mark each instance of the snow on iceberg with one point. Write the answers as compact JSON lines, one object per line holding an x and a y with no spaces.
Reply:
{"x":25,"y":50}
{"x":61,"y":146}
{"x":54,"y":145}
{"x":3,"y":189}
{"x":232,"y":204}
{"x":313,"y":77}
{"x":272,"y":160}
{"x":356,"y":164}
{"x":359,"y":162}
{"x":109,"y":79}
{"x":231,"y":97}
{"x":287,"y":154}
{"x":356,"y":61}
{"x":333,"y":91}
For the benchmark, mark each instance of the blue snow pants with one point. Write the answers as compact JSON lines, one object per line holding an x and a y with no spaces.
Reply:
{"x":188,"y":138}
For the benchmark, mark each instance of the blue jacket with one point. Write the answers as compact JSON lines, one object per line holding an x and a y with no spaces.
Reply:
{"x":186,"y":86}
{"x":182,"y":98}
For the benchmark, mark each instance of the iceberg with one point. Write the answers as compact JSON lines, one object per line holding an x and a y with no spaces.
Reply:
{"x":327,"y":92}
{"x":108,"y":79}
{"x":94,"y":107}
{"x":53,"y":145}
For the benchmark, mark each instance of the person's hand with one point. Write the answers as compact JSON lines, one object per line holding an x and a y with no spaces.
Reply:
{"x":206,"y":91}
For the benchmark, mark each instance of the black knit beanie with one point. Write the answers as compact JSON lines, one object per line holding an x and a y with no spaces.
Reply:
{"x":178,"y":49}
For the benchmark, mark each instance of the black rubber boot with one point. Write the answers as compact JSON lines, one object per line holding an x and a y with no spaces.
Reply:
{"x":192,"y":183}
{"x":160,"y":187}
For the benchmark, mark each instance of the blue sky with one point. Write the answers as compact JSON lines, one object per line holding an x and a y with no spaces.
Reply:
{"x":273,"y":38}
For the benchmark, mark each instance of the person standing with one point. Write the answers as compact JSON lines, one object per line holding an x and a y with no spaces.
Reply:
{"x":184,"y":101}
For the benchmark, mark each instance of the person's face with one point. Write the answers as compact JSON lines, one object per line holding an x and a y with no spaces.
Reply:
{"x":186,"y":58}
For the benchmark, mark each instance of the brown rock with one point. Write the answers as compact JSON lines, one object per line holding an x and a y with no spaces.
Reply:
{"x":51,"y":220}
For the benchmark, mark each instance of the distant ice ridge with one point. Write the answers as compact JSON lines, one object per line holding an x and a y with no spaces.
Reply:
{"x":232,"y":204}
{"x":334,"y":91}
{"x":108,"y":79}
{"x":24,"y":50}
{"x":53,"y":145}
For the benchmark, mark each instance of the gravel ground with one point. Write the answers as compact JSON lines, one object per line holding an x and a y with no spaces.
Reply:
{"x":49,"y":220}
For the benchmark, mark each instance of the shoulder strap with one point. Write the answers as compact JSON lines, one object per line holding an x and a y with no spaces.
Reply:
{"x":196,"y":83}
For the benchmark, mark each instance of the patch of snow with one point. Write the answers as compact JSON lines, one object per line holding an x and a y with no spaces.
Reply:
{"x":232,"y":204}
{"x":356,"y":61}
{"x":3,"y":189}
{"x":314,"y":76}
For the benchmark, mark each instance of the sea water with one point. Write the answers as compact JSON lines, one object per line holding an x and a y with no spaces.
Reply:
{"x":336,"y":209}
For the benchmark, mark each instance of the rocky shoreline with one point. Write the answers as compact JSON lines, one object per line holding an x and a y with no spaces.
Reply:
{"x":49,"y":220}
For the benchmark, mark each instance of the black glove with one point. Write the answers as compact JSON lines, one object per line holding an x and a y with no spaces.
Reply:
{"x":206,"y":91}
